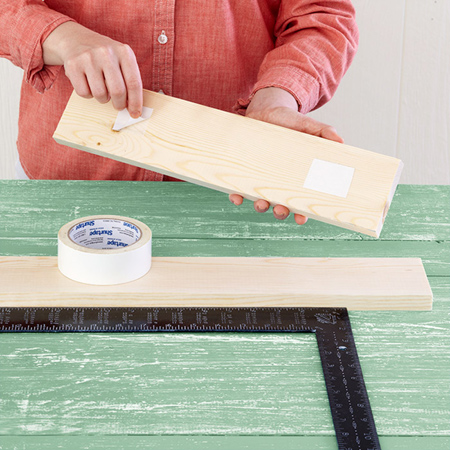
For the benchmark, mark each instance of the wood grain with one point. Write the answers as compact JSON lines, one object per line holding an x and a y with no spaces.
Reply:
{"x":355,"y":283}
{"x":235,"y":154}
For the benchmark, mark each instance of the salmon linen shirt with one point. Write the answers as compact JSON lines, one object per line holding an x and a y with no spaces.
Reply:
{"x":218,"y":53}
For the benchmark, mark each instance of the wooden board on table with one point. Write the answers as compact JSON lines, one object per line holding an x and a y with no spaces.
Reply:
{"x":355,"y":283}
{"x":236,"y":154}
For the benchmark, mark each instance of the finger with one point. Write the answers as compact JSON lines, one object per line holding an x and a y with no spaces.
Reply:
{"x":301,"y":220}
{"x":261,"y":206}
{"x":331,"y":134}
{"x":133,"y":81}
{"x":236,"y":199}
{"x":80,"y":84}
{"x":116,"y":87}
{"x":280,"y":212}
{"x":310,"y":126}
{"x":316,"y":128}
{"x":97,"y":85}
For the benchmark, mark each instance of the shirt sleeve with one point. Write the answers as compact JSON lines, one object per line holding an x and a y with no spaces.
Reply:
{"x":24,"y":25}
{"x":315,"y":42}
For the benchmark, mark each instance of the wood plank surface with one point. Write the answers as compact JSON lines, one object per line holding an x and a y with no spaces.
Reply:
{"x":354,"y":283}
{"x":235,"y":154}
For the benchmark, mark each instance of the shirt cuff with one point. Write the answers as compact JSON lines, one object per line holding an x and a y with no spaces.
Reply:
{"x":37,"y":74}
{"x":302,"y":86}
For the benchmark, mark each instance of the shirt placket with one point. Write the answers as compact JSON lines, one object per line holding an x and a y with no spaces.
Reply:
{"x":163,"y":46}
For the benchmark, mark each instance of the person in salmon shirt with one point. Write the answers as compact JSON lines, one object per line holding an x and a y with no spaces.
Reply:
{"x":271,"y":60}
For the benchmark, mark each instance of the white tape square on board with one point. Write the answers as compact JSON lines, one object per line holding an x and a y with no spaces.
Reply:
{"x":329,"y":178}
{"x":124,"y":119}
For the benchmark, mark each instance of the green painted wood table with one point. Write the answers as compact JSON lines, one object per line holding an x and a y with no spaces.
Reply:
{"x":222,"y":391}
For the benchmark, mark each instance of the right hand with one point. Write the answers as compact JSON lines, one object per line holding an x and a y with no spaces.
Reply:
{"x":96,"y":65}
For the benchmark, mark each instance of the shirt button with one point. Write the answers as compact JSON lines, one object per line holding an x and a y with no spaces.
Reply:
{"x":162,"y":38}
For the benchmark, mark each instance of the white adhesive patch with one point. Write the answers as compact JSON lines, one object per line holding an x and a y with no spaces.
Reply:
{"x":125,"y":120}
{"x":329,"y":178}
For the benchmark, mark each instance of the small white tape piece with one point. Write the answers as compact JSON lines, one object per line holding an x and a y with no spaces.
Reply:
{"x":329,"y":178}
{"x":124,"y":119}
{"x":104,"y":250}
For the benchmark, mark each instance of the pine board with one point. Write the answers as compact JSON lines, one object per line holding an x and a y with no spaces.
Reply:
{"x":354,"y":283}
{"x":235,"y":154}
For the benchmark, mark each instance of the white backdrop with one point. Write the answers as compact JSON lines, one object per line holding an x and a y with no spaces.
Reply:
{"x":395,"y":99}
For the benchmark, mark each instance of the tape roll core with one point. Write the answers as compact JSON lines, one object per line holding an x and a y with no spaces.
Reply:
{"x":104,"y":250}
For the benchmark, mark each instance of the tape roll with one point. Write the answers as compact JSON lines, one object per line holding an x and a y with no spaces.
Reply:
{"x":104,"y":250}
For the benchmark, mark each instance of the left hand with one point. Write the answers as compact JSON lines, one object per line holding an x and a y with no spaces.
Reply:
{"x":277,"y":106}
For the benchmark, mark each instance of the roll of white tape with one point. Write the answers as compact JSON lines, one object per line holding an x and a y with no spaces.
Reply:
{"x":104,"y":250}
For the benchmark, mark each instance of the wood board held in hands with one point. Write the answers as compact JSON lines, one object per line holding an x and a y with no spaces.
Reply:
{"x":321,"y":179}
{"x":354,"y":283}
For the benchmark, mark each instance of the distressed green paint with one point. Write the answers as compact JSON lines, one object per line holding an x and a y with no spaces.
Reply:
{"x":210,"y":443}
{"x":226,"y":391}
{"x":182,"y":210}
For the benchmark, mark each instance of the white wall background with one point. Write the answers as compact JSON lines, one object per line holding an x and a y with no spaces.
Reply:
{"x":395,"y":99}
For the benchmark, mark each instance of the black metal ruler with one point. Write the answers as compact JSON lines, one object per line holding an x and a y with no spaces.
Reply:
{"x":350,"y":407}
